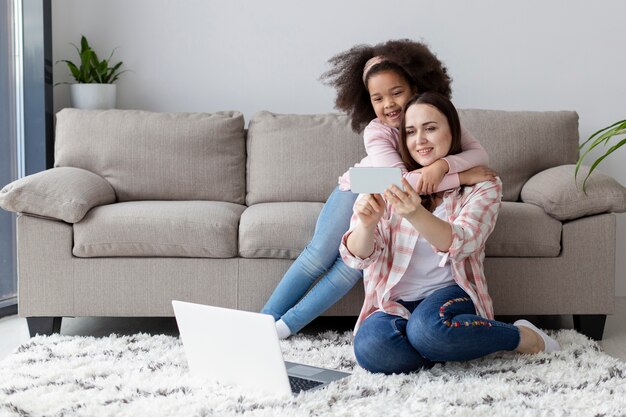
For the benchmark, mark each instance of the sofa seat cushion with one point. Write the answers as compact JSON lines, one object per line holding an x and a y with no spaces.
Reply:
{"x":277,"y":230}
{"x":524,"y":230}
{"x":197,"y":229}
{"x":282,"y":230}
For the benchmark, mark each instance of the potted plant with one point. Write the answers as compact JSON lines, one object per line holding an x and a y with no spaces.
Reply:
{"x":95,"y":78}
{"x":604,"y":135}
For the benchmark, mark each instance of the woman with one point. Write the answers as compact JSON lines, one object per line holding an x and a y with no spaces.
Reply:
{"x":426,"y":297}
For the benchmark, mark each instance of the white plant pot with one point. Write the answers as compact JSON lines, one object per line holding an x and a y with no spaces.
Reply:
{"x":93,"y":96}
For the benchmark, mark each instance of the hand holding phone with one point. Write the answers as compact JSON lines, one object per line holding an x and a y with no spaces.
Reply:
{"x":369,"y":209}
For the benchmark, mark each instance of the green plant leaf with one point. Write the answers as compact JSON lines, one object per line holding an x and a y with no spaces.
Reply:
{"x":84,"y":45}
{"x":91,"y":69}
{"x":80,"y":77}
{"x":606,"y":134}
{"x":88,"y":57}
{"x":112,"y":52}
{"x":75,"y":47}
{"x":113,"y":73}
{"x":100,"y":71}
{"x":597,"y":162}
{"x":601,"y":130}
{"x":118,"y":75}
{"x":73,"y":68}
{"x":595,"y":143}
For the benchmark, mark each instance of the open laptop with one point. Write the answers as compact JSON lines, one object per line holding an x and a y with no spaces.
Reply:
{"x":242,"y":348}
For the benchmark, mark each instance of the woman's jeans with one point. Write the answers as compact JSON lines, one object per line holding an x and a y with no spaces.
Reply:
{"x":320,"y":256}
{"x":442,"y":327}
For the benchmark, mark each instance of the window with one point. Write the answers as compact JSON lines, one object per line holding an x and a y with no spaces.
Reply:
{"x":11,"y":140}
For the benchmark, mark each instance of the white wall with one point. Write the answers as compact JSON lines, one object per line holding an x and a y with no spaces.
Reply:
{"x":206,"y":55}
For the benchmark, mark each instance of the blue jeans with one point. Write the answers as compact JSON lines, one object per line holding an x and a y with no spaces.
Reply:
{"x":320,"y":257}
{"x":442,"y":327}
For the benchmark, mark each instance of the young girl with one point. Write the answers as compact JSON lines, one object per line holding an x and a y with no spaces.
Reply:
{"x":373,"y":84}
{"x":426,"y":296}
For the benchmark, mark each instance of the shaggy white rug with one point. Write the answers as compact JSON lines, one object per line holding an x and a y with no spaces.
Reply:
{"x":147,"y":375}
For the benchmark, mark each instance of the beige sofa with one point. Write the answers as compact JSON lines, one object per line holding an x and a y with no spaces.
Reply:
{"x":142,"y":208}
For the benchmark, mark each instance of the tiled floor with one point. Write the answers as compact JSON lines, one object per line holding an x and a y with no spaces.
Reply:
{"x":14,"y":331}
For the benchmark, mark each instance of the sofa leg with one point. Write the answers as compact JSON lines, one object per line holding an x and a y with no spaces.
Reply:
{"x":591,"y":325}
{"x":43,"y":325}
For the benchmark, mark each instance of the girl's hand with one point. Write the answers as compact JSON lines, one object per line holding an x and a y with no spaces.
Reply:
{"x":405,"y":202}
{"x":370,"y":209}
{"x":431,"y":177}
{"x":475,"y":175}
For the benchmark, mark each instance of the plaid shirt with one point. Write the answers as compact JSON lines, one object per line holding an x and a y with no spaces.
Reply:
{"x":471,"y":211}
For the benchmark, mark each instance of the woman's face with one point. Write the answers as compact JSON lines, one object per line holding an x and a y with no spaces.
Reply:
{"x":428,"y":134}
{"x":389,"y":92}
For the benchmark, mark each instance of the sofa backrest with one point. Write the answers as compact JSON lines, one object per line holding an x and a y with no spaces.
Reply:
{"x":202,"y":156}
{"x":157,"y":156}
{"x":298,"y":157}
{"x":522,"y":143}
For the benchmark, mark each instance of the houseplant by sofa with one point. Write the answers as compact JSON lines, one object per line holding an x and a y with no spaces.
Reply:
{"x":95,"y":78}
{"x":142,"y":208}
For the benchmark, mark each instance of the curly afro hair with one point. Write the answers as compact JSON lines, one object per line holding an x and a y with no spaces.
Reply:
{"x":413,"y":60}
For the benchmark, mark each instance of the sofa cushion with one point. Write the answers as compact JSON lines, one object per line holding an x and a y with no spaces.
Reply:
{"x":59,"y":193}
{"x":157,"y":156}
{"x":524,"y":230}
{"x":555,"y":191}
{"x":298,"y":157}
{"x":282,"y":230}
{"x":522,"y":143}
{"x":277,"y":230}
{"x":199,"y":229}
{"x":519,"y":144}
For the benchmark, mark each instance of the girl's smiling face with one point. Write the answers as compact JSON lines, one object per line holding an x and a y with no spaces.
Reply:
{"x":389,"y":92}
{"x":428,"y":134}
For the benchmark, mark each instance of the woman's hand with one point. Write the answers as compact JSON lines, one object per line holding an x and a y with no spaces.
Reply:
{"x":475,"y":175}
{"x":406,"y":202}
{"x":370,"y":209}
{"x":431,"y":177}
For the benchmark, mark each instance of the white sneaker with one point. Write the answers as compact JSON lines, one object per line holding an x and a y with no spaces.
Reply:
{"x":550,"y":345}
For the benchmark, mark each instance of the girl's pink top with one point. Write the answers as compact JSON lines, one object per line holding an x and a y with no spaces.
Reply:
{"x":382,"y":147}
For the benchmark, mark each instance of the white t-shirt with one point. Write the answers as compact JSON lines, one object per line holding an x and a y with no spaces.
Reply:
{"x":424,"y":276}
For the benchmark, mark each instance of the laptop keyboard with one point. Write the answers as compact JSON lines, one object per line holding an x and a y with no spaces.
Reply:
{"x":301,"y":384}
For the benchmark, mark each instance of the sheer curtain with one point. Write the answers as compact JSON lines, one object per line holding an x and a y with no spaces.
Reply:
{"x":11,"y":140}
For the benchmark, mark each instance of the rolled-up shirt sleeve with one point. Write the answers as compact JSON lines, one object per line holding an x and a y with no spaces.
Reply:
{"x":476,"y":221}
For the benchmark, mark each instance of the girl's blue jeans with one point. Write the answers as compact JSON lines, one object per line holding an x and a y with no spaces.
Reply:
{"x":442,"y":327}
{"x":319,"y":258}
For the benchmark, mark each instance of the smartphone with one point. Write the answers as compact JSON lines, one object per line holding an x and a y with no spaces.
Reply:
{"x":374,"y":180}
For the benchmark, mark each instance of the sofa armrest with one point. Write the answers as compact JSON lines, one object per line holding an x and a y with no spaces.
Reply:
{"x":64,"y":193}
{"x":556,"y":191}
